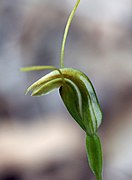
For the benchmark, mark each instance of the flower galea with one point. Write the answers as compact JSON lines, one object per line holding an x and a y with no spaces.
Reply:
{"x":79,"y":97}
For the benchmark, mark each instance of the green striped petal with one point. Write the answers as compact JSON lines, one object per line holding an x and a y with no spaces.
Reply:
{"x":90,"y":109}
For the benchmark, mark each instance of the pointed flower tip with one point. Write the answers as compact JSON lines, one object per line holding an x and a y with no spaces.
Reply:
{"x":35,"y":94}
{"x":26,"y":92}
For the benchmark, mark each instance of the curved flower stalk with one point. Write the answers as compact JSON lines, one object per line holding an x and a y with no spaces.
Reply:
{"x":79,"y":97}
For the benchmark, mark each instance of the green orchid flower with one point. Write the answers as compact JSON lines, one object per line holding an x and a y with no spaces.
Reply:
{"x":79,"y":97}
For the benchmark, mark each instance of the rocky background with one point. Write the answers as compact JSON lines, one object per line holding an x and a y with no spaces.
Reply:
{"x":38,"y":138}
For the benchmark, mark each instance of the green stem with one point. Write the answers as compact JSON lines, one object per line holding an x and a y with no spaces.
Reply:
{"x":66,"y":33}
{"x":99,"y":177}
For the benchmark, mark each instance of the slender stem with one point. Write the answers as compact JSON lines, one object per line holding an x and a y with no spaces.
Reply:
{"x":66,"y":33}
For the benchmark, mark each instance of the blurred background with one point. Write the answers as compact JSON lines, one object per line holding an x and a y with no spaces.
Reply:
{"x":38,"y":138}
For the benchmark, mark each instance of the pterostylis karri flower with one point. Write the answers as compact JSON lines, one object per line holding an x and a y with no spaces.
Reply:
{"x":79,"y":97}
